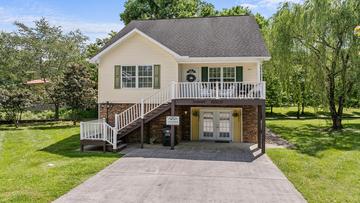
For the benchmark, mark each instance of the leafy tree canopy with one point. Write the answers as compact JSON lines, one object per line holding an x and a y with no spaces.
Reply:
{"x":318,"y":37}
{"x":77,"y":89}
{"x":162,"y":9}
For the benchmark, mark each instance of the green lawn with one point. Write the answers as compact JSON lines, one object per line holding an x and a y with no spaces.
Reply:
{"x":325,"y":166}
{"x":39,"y":163}
{"x":309,"y":112}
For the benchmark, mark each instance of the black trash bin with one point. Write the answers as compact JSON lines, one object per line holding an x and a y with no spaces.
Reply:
{"x":166,"y":137}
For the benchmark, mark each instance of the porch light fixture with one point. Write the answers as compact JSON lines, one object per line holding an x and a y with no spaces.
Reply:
{"x":235,"y":114}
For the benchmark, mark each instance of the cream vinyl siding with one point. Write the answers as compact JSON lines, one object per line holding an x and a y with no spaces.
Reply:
{"x":136,"y":50}
{"x":249,"y":69}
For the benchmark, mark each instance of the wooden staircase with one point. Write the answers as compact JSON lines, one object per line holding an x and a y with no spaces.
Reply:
{"x":147,"y":118}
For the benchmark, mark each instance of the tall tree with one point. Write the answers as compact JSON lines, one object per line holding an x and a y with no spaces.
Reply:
{"x":11,"y":70}
{"x":77,"y":90}
{"x":159,"y":9}
{"x":236,"y":10}
{"x":14,"y":100}
{"x":323,"y":31}
{"x":47,"y":51}
{"x":93,"y":48}
{"x":273,"y":88}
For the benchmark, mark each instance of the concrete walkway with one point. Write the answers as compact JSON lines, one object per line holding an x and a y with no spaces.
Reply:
{"x":193,"y":172}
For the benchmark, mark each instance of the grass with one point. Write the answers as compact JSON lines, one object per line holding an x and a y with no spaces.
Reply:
{"x":39,"y":163}
{"x":325,"y":166}
{"x":49,"y":114}
{"x":310,"y":112}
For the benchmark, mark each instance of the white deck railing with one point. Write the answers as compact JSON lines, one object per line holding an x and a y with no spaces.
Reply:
{"x":220,"y":90}
{"x":98,"y":130}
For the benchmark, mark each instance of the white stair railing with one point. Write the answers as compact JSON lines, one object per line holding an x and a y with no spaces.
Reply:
{"x":139,"y":110}
{"x":98,"y":130}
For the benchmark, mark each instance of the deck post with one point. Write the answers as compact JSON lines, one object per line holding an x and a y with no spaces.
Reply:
{"x":142,"y":108}
{"x":263,"y":127}
{"x":259,"y":123}
{"x":173,"y":90}
{"x":172,"y":138}
{"x":142,"y":134}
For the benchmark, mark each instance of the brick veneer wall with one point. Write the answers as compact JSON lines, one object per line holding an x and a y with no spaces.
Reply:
{"x":250,"y":128}
{"x":153,"y":129}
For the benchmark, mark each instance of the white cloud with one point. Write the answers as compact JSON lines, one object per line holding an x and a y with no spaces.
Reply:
{"x":275,"y":3}
{"x":250,"y":6}
{"x":34,"y":12}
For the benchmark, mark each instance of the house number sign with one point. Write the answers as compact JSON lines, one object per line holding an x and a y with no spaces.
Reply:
{"x":172,"y":120}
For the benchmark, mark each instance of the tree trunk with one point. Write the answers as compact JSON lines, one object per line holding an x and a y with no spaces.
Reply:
{"x":335,"y":116}
{"x":57,"y":107}
{"x":271,"y":109}
{"x":74,"y":122}
{"x":303,"y":108}
{"x":298,"y":112}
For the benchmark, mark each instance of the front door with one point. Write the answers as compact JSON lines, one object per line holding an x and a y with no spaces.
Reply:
{"x":215,"y":125}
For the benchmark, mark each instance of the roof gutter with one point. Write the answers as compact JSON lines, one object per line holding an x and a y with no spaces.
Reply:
{"x":222,"y":59}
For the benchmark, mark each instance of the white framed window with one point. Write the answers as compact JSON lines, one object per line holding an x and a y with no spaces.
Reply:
{"x":140,"y":76}
{"x":228,"y":74}
{"x":145,"y":76}
{"x":214,"y":74}
{"x":128,"y":76}
{"x":224,"y":74}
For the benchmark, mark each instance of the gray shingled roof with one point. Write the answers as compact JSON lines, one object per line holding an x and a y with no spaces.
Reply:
{"x":228,"y":36}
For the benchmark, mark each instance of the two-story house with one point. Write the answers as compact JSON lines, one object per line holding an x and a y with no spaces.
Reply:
{"x":206,"y":70}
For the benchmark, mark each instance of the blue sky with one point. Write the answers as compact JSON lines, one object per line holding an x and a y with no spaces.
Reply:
{"x":95,"y":18}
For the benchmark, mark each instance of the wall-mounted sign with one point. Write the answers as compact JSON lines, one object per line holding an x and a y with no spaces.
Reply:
{"x":172,"y":120}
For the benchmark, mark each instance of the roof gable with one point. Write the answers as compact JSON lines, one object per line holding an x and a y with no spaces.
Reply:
{"x":127,"y":36}
{"x":230,"y":36}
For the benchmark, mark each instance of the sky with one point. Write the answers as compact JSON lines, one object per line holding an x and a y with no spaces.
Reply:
{"x":96,"y":18}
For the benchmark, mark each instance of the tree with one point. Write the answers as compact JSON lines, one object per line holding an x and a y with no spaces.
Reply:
{"x":323,"y":31}
{"x":93,"y":48}
{"x":357,"y":30}
{"x":261,"y":20}
{"x":14,"y":100}
{"x":11,"y":69}
{"x":273,"y":89}
{"x":159,"y":9}
{"x":77,"y":90}
{"x":47,"y":51}
{"x":236,"y":10}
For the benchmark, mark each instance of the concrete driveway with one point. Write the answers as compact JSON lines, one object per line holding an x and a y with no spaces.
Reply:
{"x":193,"y":172}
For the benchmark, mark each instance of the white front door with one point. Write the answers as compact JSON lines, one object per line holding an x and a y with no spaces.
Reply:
{"x":215,"y":125}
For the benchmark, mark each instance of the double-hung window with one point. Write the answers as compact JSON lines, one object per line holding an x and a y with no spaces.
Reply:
{"x":145,"y":76}
{"x":137,"y":76}
{"x":228,"y":74}
{"x":225,"y":74}
{"x":128,"y":75}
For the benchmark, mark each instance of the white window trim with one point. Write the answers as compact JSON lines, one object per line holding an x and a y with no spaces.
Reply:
{"x":152,"y":77}
{"x":121,"y":78}
{"x":222,"y":72}
{"x":137,"y":77}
